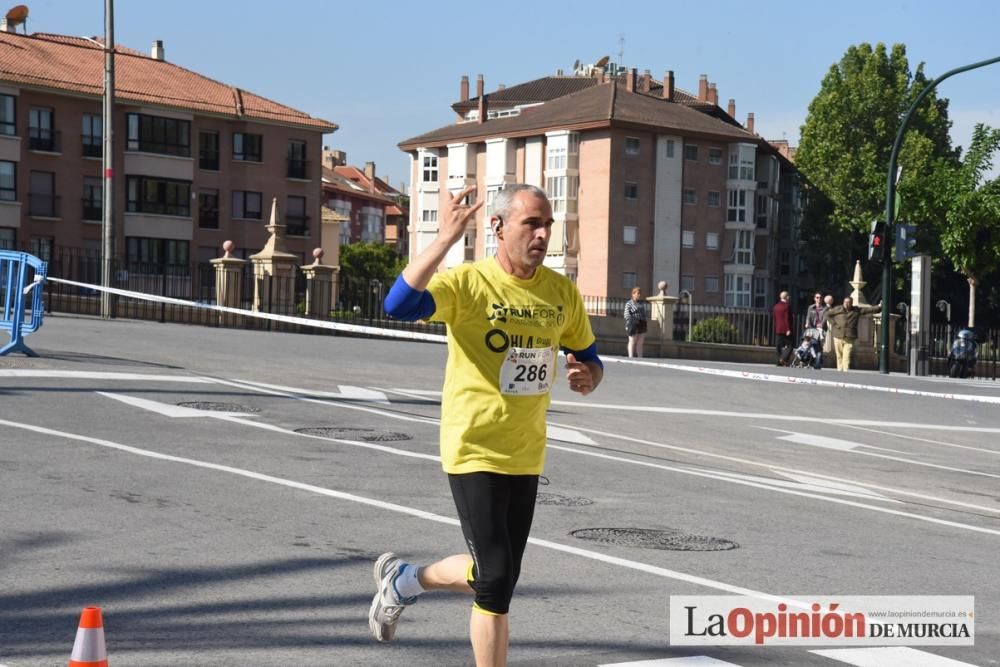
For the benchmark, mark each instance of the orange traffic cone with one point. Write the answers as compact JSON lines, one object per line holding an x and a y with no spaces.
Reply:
{"x":88,"y":649}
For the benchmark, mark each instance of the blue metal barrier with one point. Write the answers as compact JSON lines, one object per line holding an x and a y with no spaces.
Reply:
{"x":21,"y":278}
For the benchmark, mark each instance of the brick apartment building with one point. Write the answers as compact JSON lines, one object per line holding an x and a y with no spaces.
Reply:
{"x":647,"y":182}
{"x":196,"y":161}
{"x":376,"y":211}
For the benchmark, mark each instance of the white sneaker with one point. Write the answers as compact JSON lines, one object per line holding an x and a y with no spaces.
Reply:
{"x":387,"y":605}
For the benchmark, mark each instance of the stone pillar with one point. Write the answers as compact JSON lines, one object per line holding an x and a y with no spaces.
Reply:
{"x":866,"y":325}
{"x":274,"y":271}
{"x":662,"y":307}
{"x":858,"y":284}
{"x":228,"y":284}
{"x":320,"y":283}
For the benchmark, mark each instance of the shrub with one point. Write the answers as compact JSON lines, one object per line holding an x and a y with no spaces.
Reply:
{"x":714,"y":330}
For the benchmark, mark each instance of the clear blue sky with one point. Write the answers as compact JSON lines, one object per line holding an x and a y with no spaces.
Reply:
{"x":385,"y":71}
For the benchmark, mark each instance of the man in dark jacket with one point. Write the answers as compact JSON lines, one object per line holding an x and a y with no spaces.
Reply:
{"x":843,"y":322}
{"x":782,"y":328}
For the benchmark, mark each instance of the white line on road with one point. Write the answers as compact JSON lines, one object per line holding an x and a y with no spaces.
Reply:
{"x":96,"y":375}
{"x":168,"y":410}
{"x":401,"y":509}
{"x":889,"y":655}
{"x":689,"y":661}
{"x":995,"y":452}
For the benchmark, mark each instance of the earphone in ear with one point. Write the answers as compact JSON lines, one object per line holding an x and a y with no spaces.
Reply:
{"x":498,"y":226}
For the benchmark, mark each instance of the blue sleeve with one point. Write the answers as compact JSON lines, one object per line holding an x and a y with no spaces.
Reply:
{"x":405,"y":303}
{"x":589,"y":354}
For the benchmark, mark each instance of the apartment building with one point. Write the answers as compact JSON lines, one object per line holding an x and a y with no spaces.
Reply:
{"x":375,"y":210}
{"x":648,"y":182}
{"x":196,"y":161}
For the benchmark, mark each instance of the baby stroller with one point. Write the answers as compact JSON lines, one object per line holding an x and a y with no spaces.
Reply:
{"x":809,"y":350}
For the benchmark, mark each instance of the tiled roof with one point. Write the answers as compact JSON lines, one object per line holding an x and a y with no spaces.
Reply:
{"x":76,"y":64}
{"x":333,"y":180}
{"x":540,"y":90}
{"x":601,"y":105}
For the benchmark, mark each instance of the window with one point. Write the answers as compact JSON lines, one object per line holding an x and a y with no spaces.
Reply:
{"x":470,"y":246}
{"x":41,"y":247}
{"x":371,"y":225}
{"x":555,"y":157}
{"x":8,"y":122}
{"x":8,"y":181}
{"x":687,"y":282}
{"x":631,"y":190}
{"x":714,"y":198}
{"x":296,"y":220}
{"x":8,"y":238}
{"x":208,"y":209}
{"x":430,"y":168}
{"x":93,"y":198}
{"x":489,"y":240}
{"x":491,"y":194}
{"x":341,"y":206}
{"x":760,"y":293}
{"x":744,"y":247}
{"x":712,"y":241}
{"x":248,"y":147}
{"x":631,"y":145}
{"x":687,"y":239}
{"x":631,"y":233}
{"x":737,"y":206}
{"x":429,"y":215}
{"x":93,"y":131}
{"x":41,"y":135}
{"x":42,"y":200}
{"x":208,"y":150}
{"x":156,"y":252}
{"x":156,"y":134}
{"x":711,"y":284}
{"x":164,"y":196}
{"x":690,"y":152}
{"x":741,"y":165}
{"x":738,"y":290}
{"x":562,"y":193}
{"x":784,"y":262}
{"x":246,"y":205}
{"x":297,"y":165}
{"x":690,"y":196}
{"x":629,"y":280}
{"x":715,"y":157}
{"x":761,"y":212}
{"x":670,"y":148}
{"x":746,"y":169}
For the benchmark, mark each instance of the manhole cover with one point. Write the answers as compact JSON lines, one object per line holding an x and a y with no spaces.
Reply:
{"x":355,"y":433}
{"x":208,"y":406}
{"x":561,"y":500}
{"x":672,"y":540}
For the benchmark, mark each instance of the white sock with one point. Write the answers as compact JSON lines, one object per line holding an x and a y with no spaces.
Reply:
{"x":407,"y":585}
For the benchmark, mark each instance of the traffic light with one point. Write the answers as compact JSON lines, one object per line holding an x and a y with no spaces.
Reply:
{"x":876,"y":241}
{"x":906,"y":241}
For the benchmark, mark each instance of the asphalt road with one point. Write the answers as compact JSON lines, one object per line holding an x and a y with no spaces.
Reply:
{"x":236,"y":538}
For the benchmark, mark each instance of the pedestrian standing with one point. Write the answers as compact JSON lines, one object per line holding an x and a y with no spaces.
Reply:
{"x":635,"y":323}
{"x":782,"y":329}
{"x":843,"y":321}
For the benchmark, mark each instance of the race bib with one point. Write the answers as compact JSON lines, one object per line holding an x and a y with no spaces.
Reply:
{"x":527,"y":371}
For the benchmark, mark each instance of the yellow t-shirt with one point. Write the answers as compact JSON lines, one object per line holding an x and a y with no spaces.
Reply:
{"x":503,"y":337}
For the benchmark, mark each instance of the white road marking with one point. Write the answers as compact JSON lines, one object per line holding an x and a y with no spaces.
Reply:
{"x":995,"y":452}
{"x":812,"y":440}
{"x":568,"y":435}
{"x":347,"y":392}
{"x":401,"y":509}
{"x":782,"y":469}
{"x":819,"y":441}
{"x":690,"y":661}
{"x":814,"y":484}
{"x":95,"y":375}
{"x":168,"y":410}
{"x":889,"y":655}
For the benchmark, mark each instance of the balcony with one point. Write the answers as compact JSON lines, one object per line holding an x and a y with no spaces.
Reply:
{"x":43,"y":206}
{"x":92,"y":210}
{"x":92,"y":146}
{"x":297,"y":225}
{"x":298,"y":168}
{"x":42,"y":139}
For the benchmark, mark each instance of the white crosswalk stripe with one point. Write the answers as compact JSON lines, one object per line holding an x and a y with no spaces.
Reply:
{"x":692,"y":661}
{"x":889,"y":655}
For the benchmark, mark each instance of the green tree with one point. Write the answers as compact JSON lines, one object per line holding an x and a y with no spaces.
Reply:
{"x":844,"y":153}
{"x":367,"y":270}
{"x":968,"y":231}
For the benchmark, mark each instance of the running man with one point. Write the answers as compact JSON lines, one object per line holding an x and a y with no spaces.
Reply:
{"x":507,"y":318}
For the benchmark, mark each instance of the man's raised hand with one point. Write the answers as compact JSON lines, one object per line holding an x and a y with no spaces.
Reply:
{"x":455,"y":216}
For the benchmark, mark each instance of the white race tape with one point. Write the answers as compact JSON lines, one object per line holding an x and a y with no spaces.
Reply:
{"x":320,"y":324}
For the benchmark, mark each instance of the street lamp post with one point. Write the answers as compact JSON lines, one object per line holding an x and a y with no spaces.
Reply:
{"x":689,"y":297}
{"x":890,"y":211}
